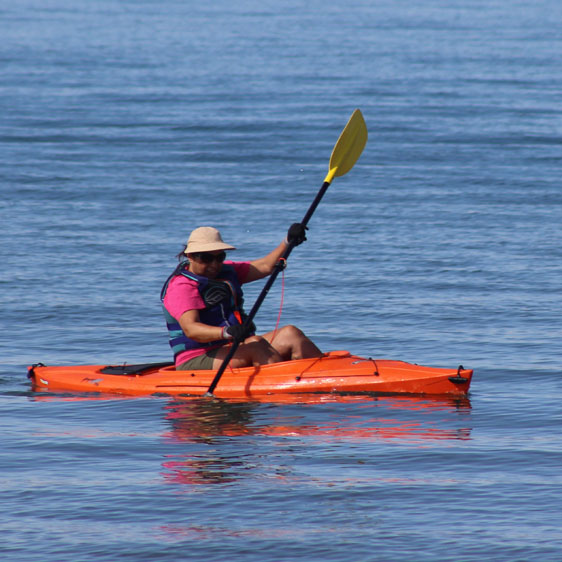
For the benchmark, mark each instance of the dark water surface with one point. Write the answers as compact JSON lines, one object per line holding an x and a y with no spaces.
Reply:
{"x":123,"y":125}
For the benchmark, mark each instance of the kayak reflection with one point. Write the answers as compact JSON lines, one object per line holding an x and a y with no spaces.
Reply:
{"x":212,"y":441}
{"x":217,"y":429}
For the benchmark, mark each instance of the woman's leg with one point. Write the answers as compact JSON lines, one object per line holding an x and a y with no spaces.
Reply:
{"x":291,"y":343}
{"x":255,"y":350}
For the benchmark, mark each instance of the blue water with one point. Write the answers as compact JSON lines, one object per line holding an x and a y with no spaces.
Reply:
{"x":125,"y":124}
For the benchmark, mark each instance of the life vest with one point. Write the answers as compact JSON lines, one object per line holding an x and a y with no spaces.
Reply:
{"x":223,"y":298}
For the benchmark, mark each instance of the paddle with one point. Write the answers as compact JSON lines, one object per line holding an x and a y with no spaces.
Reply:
{"x":347,"y":150}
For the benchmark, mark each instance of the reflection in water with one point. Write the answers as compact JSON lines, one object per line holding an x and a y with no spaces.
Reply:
{"x":214,"y":426}
{"x":207,"y":422}
{"x":194,"y":470}
{"x":213,"y":430}
{"x":202,"y":420}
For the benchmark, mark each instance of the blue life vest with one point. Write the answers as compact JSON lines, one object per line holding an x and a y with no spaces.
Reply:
{"x":223,"y":298}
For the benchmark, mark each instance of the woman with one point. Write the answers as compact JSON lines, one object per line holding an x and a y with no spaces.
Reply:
{"x":203,"y":300}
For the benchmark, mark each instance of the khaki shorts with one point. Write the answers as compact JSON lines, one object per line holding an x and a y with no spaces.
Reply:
{"x":201,"y":362}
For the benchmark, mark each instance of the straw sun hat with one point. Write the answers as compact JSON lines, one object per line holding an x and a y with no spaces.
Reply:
{"x":206,"y":239}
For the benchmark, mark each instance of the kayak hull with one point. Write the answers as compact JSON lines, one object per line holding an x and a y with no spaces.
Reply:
{"x":335,"y":372}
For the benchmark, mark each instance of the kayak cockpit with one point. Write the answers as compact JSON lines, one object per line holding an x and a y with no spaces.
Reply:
{"x":134,"y":369}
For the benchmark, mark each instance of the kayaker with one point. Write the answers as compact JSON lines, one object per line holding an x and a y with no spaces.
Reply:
{"x":203,"y":299}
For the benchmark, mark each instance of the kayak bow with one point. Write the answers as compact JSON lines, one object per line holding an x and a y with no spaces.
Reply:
{"x":336,"y":371}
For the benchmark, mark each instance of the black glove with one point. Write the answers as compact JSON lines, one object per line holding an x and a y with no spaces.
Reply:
{"x":238,"y":332}
{"x":296,"y":234}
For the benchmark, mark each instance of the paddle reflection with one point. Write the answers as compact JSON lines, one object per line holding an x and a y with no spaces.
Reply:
{"x":218,"y":427}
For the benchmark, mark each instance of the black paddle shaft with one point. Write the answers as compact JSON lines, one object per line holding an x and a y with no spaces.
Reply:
{"x":279,"y":266}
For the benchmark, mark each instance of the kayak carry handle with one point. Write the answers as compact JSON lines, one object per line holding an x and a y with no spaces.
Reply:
{"x":458,"y":378}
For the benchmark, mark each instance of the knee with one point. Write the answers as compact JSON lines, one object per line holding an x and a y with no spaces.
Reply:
{"x":292,"y":333}
{"x":257,"y":343}
{"x":256,"y":339}
{"x":259,"y":351}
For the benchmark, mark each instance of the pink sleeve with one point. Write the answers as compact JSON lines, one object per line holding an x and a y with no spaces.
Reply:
{"x":241,"y":268}
{"x":182,"y":295}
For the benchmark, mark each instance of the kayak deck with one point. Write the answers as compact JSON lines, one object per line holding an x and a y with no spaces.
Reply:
{"x":337,"y":371}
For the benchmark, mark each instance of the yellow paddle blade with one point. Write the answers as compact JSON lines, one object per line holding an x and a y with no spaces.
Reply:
{"x":349,"y":147}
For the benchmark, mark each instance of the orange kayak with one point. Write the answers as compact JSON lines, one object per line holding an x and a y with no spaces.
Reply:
{"x":336,"y":371}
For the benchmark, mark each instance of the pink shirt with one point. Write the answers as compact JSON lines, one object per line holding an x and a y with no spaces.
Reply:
{"x":183,"y":295}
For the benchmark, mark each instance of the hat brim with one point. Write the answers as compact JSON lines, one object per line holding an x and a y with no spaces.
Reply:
{"x":209,"y":247}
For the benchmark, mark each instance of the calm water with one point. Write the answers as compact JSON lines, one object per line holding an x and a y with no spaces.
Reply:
{"x":125,"y":124}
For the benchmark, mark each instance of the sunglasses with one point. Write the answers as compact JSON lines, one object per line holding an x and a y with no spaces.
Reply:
{"x":206,"y":257}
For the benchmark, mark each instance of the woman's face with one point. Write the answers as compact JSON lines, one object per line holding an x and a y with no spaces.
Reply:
{"x":207,"y":264}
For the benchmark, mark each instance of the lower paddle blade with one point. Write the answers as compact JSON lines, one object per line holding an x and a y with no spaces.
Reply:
{"x":349,"y":147}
